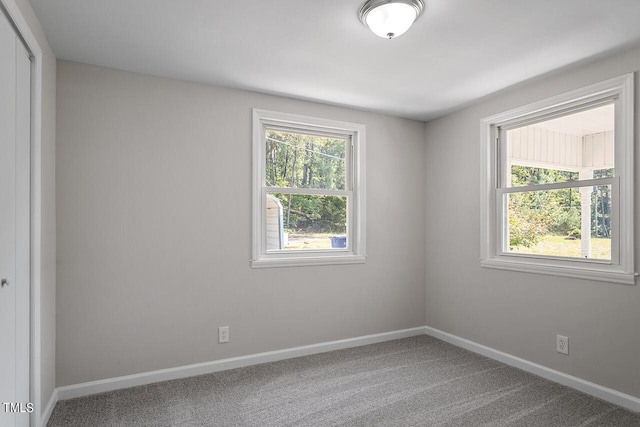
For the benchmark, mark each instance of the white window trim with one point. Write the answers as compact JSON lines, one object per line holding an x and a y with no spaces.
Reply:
{"x":619,"y":89}
{"x":355,"y":251}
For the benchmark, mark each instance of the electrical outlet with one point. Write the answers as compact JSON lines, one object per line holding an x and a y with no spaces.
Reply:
{"x":223,"y":334}
{"x":562,"y":344}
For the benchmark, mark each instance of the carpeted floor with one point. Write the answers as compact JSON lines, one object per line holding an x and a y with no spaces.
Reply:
{"x":418,"y":381}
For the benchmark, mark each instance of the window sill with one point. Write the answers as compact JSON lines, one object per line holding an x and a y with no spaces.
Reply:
{"x":601,"y":273}
{"x":300,"y":261}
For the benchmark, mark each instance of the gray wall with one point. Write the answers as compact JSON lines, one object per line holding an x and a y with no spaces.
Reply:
{"x":513,"y":312}
{"x":153,"y":187}
{"x":45,"y":373}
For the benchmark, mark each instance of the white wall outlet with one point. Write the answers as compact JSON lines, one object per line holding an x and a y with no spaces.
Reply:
{"x":562,"y":344}
{"x":223,"y":334}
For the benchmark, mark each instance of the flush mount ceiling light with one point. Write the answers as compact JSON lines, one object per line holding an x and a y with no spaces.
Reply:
{"x":390,"y":18}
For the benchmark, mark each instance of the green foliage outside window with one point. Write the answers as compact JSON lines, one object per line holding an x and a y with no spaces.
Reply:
{"x":308,"y":161}
{"x":314,"y":214}
{"x":535,"y":214}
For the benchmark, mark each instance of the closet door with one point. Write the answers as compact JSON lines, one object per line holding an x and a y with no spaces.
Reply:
{"x":14,"y":227}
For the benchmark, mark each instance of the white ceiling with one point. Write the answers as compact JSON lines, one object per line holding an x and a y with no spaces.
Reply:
{"x":457,"y":52}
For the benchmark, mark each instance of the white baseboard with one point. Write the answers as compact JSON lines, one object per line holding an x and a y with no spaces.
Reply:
{"x":601,"y":392}
{"x":48,"y":410}
{"x":100,"y":386}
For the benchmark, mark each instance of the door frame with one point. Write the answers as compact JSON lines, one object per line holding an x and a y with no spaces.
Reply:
{"x":30,"y":308}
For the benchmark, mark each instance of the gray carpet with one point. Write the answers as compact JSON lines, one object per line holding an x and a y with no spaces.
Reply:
{"x":418,"y":381}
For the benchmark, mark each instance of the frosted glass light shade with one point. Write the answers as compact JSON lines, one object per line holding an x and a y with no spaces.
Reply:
{"x":390,"y":18}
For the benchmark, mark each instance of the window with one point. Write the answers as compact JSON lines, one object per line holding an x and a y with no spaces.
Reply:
{"x":557,"y":185}
{"x":308,"y":191}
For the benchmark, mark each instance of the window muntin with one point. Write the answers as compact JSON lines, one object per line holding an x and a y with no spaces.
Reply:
{"x":308,"y":184}
{"x":611,"y":173}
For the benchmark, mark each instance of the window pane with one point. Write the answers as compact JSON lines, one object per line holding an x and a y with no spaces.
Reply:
{"x":308,"y":221}
{"x":550,"y":222}
{"x":562,"y":149}
{"x":305,"y":161}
